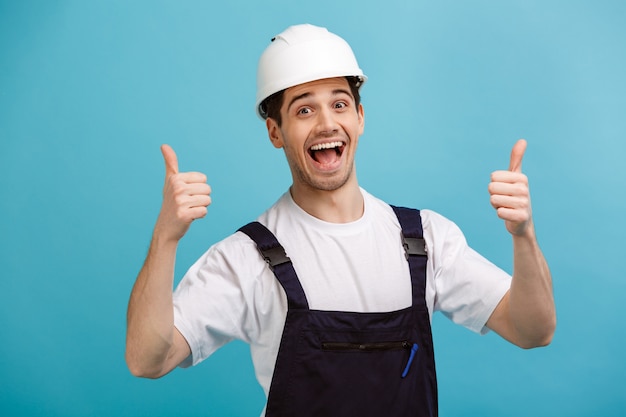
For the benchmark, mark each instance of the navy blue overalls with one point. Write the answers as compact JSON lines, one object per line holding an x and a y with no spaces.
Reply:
{"x":333,"y":363}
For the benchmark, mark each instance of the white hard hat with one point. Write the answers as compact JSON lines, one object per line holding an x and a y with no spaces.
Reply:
{"x":300,"y":54}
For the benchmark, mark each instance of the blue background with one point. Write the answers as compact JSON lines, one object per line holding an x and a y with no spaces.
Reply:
{"x":89,"y":90}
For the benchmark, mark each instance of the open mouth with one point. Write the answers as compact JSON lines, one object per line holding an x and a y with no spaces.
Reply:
{"x":327,"y":154}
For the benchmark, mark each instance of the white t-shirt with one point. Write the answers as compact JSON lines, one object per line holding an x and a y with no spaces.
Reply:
{"x":231,"y":293}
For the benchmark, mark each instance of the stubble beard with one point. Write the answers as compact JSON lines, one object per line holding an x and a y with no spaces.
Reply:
{"x":331,"y":183}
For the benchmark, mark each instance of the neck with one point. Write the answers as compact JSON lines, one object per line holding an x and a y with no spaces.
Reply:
{"x":343,"y":205}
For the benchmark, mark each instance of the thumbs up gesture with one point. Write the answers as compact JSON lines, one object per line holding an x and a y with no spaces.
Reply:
{"x":186,"y":196}
{"x":510,"y":195}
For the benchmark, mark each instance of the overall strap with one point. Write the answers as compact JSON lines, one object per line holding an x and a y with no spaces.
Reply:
{"x":274,"y":254}
{"x":415,"y":250}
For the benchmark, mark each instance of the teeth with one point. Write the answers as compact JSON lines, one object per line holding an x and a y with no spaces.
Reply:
{"x":329,"y":145}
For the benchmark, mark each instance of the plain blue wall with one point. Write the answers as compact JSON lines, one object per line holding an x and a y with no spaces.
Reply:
{"x":89,"y":90}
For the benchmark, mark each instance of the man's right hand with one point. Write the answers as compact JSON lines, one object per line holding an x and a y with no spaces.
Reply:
{"x":153,"y":344}
{"x":186,"y":196}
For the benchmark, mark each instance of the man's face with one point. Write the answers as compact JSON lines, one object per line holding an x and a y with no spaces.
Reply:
{"x":320,"y":129}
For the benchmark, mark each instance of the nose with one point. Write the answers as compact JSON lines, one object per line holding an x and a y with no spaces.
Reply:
{"x":326,"y":123}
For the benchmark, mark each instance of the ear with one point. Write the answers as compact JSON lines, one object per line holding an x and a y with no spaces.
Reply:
{"x":361,"y":115}
{"x":274,"y":133}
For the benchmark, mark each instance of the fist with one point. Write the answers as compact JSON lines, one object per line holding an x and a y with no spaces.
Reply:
{"x":510,"y":195}
{"x":186,"y":196}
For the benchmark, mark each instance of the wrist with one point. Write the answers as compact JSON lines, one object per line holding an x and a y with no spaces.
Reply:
{"x":163,"y":241}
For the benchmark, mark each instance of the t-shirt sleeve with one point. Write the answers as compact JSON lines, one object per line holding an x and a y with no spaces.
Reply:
{"x":468,"y":287}
{"x":211,"y":301}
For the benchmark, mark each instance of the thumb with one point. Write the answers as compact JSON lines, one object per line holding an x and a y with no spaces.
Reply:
{"x":516,"y":156}
{"x":171,"y":161}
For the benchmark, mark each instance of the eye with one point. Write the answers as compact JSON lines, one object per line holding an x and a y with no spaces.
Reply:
{"x":304,"y":111}
{"x":341,"y":105}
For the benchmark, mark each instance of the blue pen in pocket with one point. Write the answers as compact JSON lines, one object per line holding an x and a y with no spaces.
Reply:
{"x":411,"y":356}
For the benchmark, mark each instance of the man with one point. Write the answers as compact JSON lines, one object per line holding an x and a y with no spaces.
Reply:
{"x":333,"y":288}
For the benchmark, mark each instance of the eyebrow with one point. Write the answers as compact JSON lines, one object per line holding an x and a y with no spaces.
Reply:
{"x":335,"y":92}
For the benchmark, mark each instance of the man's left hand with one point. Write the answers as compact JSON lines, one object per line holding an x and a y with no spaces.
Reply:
{"x":510,"y":195}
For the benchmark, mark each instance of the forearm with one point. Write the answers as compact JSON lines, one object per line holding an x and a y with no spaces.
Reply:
{"x":150,"y":318}
{"x":531,"y":301}
{"x":526,"y":315}
{"x":153,"y":345}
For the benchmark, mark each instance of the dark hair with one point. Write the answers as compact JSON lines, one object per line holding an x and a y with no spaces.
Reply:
{"x":270,"y":107}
